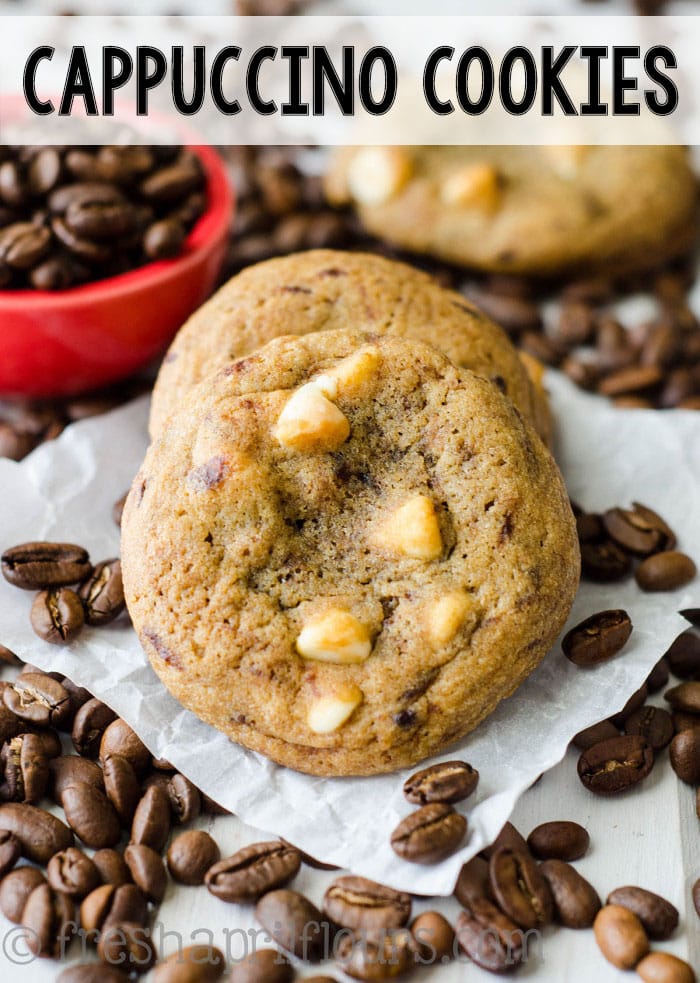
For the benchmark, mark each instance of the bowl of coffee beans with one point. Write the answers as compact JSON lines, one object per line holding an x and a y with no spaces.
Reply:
{"x":104,"y":252}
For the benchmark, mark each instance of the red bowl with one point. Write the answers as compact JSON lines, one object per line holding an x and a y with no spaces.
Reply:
{"x":63,"y":342}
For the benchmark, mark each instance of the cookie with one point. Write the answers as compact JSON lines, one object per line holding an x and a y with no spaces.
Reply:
{"x":539,"y":211}
{"x":345,"y":551}
{"x":332,"y":290}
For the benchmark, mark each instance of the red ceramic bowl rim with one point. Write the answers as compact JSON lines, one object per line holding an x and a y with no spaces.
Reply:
{"x":207,"y":230}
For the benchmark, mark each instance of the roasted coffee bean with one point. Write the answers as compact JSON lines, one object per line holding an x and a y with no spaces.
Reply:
{"x":97,"y":218}
{"x":25,"y":769}
{"x":620,"y":936}
{"x":509,"y":837}
{"x":38,"y":699}
{"x":111,"y":867}
{"x":50,"y":740}
{"x":102,"y":593}
{"x":615,"y":765}
{"x":684,"y":655}
{"x":489,"y":938}
{"x":91,"y":815}
{"x":662,"y":967}
{"x":657,"y":915}
{"x":36,"y":566}
{"x":23,"y":244}
{"x":162,"y":764}
{"x":520,"y":890}
{"x":253,"y":871}
{"x":185,"y":799}
{"x":598,"y":638}
{"x":658,"y":677}
{"x":173,"y":182}
{"x":50,"y":921}
{"x":602,"y":731}
{"x":633,"y":532}
{"x":15,"y":888}
{"x":473,"y":881}
{"x":515,"y":314}
{"x":665,"y":571}
{"x":119,"y":738}
{"x":684,"y":721}
{"x":129,"y":945}
{"x":604,"y":562}
{"x":429,"y":834}
{"x":631,"y":379}
{"x":164,"y":239}
{"x":576,"y":903}
{"x":147,"y":870}
{"x":73,"y":873}
{"x":295,"y":924}
{"x":107,"y":905}
{"x":635,"y":701}
{"x":653,"y":724}
{"x":307,"y":859}
{"x":684,"y":754}
{"x":122,"y":787}
{"x":8,"y":657}
{"x":685,"y":697}
{"x":89,"y":724}
{"x":365,"y":906}
{"x":44,"y":171}
{"x":57,"y":616}
{"x":10,"y":851}
{"x":67,"y":770}
{"x":39,"y":833}
{"x":151,"y":823}
{"x":654,"y":521}
{"x":558,"y":840}
{"x":448,"y":781}
{"x":92,"y":973}
{"x":206,"y":964}
{"x":692,"y":615}
{"x":434,"y":937}
{"x":260,"y":966}
{"x":79,"y":696}
{"x":391,"y":954}
{"x":191,"y":855}
{"x":589,"y":528}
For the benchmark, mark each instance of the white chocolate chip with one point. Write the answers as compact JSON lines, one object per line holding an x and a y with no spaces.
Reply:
{"x":329,"y":712}
{"x":566,"y":159}
{"x":412,"y":530}
{"x":328,"y":385}
{"x":356,"y":370}
{"x":447,"y":616}
{"x":335,"y":636}
{"x":376,"y":174}
{"x":476,"y":186}
{"x":310,"y":421}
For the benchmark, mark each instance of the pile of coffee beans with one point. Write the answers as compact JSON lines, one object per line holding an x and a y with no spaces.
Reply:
{"x":71,"y":591}
{"x":70,"y":215}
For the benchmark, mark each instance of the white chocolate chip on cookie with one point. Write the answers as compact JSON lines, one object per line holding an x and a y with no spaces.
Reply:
{"x":412,"y":530}
{"x":311,"y":422}
{"x":356,"y":370}
{"x":447,"y":615}
{"x":476,"y":186}
{"x":376,"y":174}
{"x":335,"y":636}
{"x":566,"y":159}
{"x":328,"y":713}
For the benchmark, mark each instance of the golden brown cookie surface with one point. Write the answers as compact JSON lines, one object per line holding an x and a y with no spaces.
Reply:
{"x":330,"y":290}
{"x":345,"y":551}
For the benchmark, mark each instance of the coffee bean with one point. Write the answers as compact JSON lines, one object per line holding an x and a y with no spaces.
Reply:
{"x":514,"y":314}
{"x":684,"y":655}
{"x":604,"y":562}
{"x":122,"y":787}
{"x":39,"y":833}
{"x":602,"y":731}
{"x":111,"y":867}
{"x":434,"y":937}
{"x":634,"y":379}
{"x":67,"y":770}
{"x":692,"y":615}
{"x":307,"y":859}
{"x":653,"y":724}
{"x":662,"y":967}
{"x":44,"y":171}
{"x":635,"y":701}
{"x":519,"y":889}
{"x":190,"y":855}
{"x":147,"y":870}
{"x":79,"y":696}
{"x":50,"y":921}
{"x":15,"y":888}
{"x":560,"y":840}
{"x":185,"y":799}
{"x":429,"y":834}
{"x":110,"y":904}
{"x":205,"y":964}
{"x":100,"y":218}
{"x":253,"y":871}
{"x":10,"y":724}
{"x":36,"y":566}
{"x":151,"y":823}
{"x":489,"y":938}
{"x":576,"y":903}
{"x":25,"y":769}
{"x":509,"y":837}
{"x":615,"y":765}
{"x":129,"y":945}
{"x":92,"y":973}
{"x":164,"y":239}
{"x":10,"y":851}
{"x":119,"y":738}
{"x":448,"y":781}
{"x":620,"y":936}
{"x":632,"y":532}
{"x":665,"y":571}
{"x":23,"y":244}
{"x":598,"y":638}
{"x":657,"y":915}
{"x":73,"y":873}
{"x":685,"y":697}
{"x":365,"y":906}
{"x":8,"y":657}
{"x":473,"y":881}
{"x":91,"y":815}
{"x":38,"y":699}
{"x":102,"y":593}
{"x":589,"y":528}
{"x":89,"y":724}
{"x":684,"y":754}
{"x":392,"y":954}
{"x":658,"y":677}
{"x":684,"y":721}
{"x":57,"y":616}
{"x":295,"y":924}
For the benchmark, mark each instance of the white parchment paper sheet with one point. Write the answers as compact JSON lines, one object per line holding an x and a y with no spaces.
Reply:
{"x":65,"y":491}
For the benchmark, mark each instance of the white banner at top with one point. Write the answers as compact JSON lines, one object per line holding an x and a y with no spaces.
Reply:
{"x":350,"y":80}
